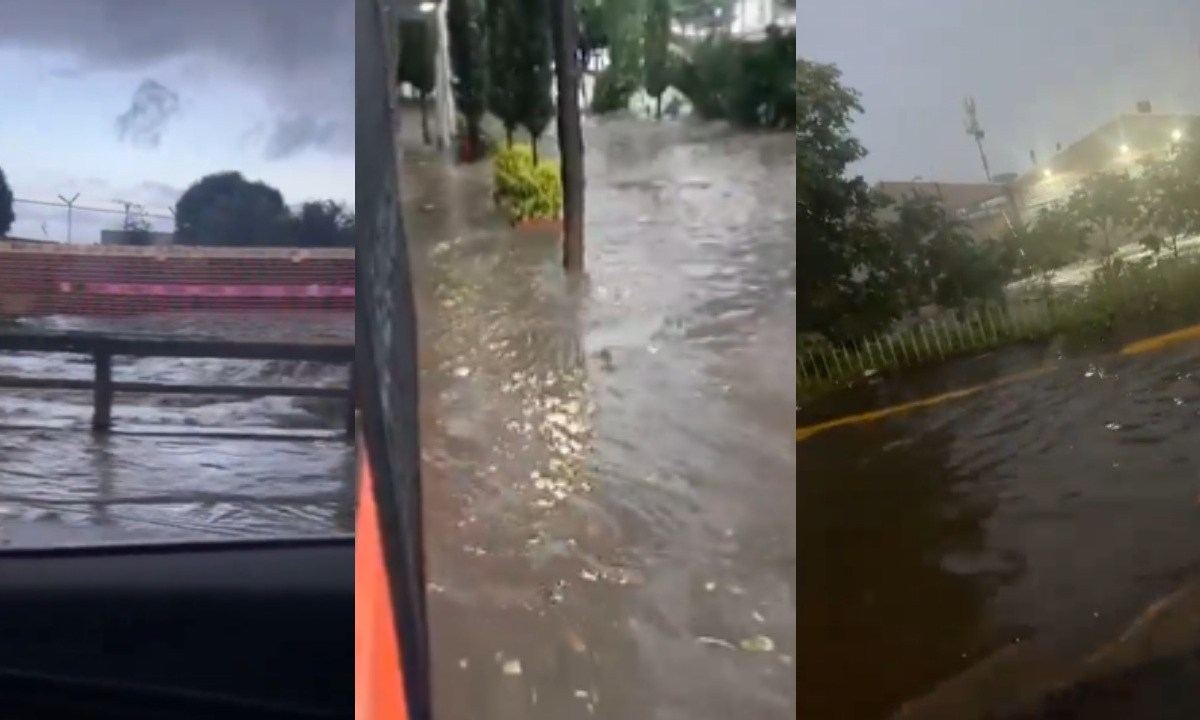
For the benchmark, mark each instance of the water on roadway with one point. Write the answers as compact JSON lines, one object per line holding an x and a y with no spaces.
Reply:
{"x":609,"y":474}
{"x":159,"y":476}
{"x":962,"y":559}
{"x":611,"y":503}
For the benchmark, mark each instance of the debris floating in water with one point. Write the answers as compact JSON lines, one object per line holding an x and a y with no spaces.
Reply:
{"x":758,"y":643}
{"x":511,"y":667}
{"x":708,"y":640}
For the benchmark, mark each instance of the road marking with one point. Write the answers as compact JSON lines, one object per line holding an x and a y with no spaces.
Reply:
{"x":1161,"y":342}
{"x":806,"y":432}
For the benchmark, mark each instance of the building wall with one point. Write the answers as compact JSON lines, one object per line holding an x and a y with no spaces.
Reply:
{"x":39,"y":280}
{"x":986,"y":208}
{"x":1121,"y":144}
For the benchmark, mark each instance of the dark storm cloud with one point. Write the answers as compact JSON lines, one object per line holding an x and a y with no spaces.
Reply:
{"x":1041,"y":72}
{"x":151,"y":109}
{"x":298,"y":53}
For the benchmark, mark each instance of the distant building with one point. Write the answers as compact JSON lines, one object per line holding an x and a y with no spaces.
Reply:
{"x":987,"y":208}
{"x":1118,"y":144}
{"x":152,"y":238}
{"x":991,"y":208}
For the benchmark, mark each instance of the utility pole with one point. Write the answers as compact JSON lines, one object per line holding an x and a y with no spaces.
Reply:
{"x":564,"y":31}
{"x":70,"y":211}
{"x":128,"y":205}
{"x":975,"y":131}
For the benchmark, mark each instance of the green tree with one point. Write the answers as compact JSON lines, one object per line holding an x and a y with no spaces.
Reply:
{"x":226,"y":209}
{"x":467,"y":50}
{"x":1171,"y":195}
{"x":7,"y":216}
{"x":748,"y":83}
{"x":658,"y":51}
{"x":1053,"y":240}
{"x":709,"y":14}
{"x":1107,"y":204}
{"x":322,"y":224}
{"x":415,"y":65}
{"x":502,"y":20}
{"x":935,"y":260}
{"x":843,"y":258}
{"x":623,"y":22}
{"x":534,"y":70}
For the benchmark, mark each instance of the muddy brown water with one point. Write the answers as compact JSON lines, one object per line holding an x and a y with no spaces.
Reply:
{"x":610,"y":494}
{"x":962,"y":560}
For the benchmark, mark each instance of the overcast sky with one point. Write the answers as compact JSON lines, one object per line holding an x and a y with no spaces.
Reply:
{"x":136,"y":99}
{"x":1041,"y":71}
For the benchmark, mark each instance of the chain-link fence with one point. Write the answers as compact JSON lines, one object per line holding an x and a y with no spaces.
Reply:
{"x":85,"y":221}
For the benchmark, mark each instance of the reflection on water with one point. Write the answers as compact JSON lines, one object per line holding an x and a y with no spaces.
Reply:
{"x":609,"y":482}
{"x":972,"y":555}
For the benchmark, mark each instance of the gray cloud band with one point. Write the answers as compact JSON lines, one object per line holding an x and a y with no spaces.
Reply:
{"x":298,"y":53}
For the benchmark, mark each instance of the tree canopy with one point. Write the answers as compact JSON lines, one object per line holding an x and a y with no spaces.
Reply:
{"x":866,"y":260}
{"x":7,"y":216}
{"x":226,"y":209}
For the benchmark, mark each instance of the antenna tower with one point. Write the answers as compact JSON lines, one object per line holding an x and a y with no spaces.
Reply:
{"x":976,"y":131}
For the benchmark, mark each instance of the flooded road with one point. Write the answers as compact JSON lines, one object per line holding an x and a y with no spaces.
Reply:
{"x":967,"y":557}
{"x":160,"y":476}
{"x":609,"y":478}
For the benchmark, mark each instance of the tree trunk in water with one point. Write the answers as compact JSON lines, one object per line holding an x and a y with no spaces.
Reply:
{"x":425,"y":118}
{"x":533,"y":141}
{"x":564,"y":31}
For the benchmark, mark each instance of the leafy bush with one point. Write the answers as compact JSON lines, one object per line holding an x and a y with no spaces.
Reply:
{"x":751,"y":84}
{"x":525,"y":189}
{"x":612,"y":92}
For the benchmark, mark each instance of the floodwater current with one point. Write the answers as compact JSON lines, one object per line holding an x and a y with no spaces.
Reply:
{"x":609,"y":475}
{"x":964,"y":559}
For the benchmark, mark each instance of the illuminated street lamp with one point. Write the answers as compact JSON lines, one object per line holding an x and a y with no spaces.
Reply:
{"x":1124,"y":149}
{"x":1047,"y":173}
{"x":1176,"y":134}
{"x":427,"y":7}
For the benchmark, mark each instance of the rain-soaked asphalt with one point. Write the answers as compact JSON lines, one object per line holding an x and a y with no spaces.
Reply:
{"x":963,"y":559}
{"x":610,"y":494}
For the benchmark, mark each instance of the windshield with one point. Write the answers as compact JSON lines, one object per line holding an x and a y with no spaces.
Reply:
{"x":997,"y":344}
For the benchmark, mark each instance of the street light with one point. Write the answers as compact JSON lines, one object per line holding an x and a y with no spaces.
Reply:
{"x":1176,"y":134}
{"x":1047,"y":173}
{"x":427,"y":7}
{"x":1124,"y":149}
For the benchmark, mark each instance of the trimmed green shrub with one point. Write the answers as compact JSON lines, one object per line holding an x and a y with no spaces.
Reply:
{"x":524,"y":189}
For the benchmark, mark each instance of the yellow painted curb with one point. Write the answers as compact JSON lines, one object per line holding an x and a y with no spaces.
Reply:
{"x":804,"y":433}
{"x":1159,"y":342}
